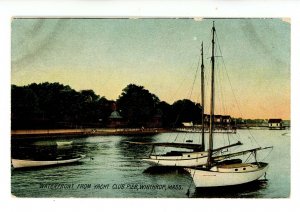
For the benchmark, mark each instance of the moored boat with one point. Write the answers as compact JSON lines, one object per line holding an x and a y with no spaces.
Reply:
{"x":183,"y":158}
{"x":228,"y":175}
{"x":18,"y":163}
{"x":64,"y":143}
{"x":215,"y":172}
{"x":178,"y":158}
{"x":198,"y":155}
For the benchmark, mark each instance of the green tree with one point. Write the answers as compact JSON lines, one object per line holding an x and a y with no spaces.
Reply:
{"x":167,"y":114}
{"x":186,"y":111}
{"x":24,"y":106}
{"x":53,"y":105}
{"x":57,"y":102}
{"x":137,"y":105}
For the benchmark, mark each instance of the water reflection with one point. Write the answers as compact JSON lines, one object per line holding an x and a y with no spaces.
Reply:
{"x":115,"y":160}
{"x":250,"y":190}
{"x":154,"y":170}
{"x":131,"y":150}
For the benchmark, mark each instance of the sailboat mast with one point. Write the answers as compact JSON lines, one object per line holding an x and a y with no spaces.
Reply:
{"x":202,"y":97}
{"x":212,"y":100}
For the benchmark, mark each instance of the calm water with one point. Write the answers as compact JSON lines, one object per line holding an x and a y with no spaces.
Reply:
{"x":112,"y":168}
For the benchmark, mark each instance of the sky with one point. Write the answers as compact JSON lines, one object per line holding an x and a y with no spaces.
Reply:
{"x":105,"y":55}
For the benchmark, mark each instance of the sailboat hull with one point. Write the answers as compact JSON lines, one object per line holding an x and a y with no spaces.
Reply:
{"x":187,"y":159}
{"x":234,"y":174}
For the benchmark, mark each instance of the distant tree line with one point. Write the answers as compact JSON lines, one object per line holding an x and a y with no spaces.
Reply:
{"x":53,"y":105}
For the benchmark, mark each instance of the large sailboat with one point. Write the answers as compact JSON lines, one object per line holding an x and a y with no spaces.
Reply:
{"x":220,"y":170}
{"x":196,"y":156}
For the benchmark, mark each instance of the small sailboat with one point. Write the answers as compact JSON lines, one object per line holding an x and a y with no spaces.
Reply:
{"x":218,"y":170}
{"x":197,"y":155}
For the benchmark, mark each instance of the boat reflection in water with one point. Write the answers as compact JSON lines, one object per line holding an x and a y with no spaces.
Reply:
{"x":253,"y":189}
{"x":164,"y":170}
{"x":127,"y":147}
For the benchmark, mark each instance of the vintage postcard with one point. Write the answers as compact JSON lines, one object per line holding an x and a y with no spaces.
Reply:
{"x":150,"y":107}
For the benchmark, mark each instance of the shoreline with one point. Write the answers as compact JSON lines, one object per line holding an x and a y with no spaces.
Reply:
{"x":65,"y":133}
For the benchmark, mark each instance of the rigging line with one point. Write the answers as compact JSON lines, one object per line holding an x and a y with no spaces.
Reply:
{"x":206,"y":86}
{"x":177,"y":118}
{"x":223,"y":63}
{"x":221,"y":78}
{"x":267,"y":155}
{"x":195,"y":77}
{"x":189,"y":96}
{"x":220,"y":110}
{"x":183,"y":81}
{"x":224,"y":141}
{"x":225,"y":99}
{"x":228,"y":138}
{"x":248,"y":158}
{"x":235,"y":98}
{"x":221,"y":97}
{"x":228,"y":75}
{"x":196,"y":74}
{"x":193,"y":85}
{"x":222,"y":100}
{"x":221,"y":94}
{"x":218,"y":94}
{"x":190,"y":92}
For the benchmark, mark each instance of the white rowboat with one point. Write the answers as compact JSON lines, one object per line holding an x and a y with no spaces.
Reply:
{"x":38,"y":163}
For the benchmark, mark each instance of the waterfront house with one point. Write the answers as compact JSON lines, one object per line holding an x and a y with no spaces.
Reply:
{"x":219,"y":120}
{"x":226,"y":121}
{"x":275,"y":124}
